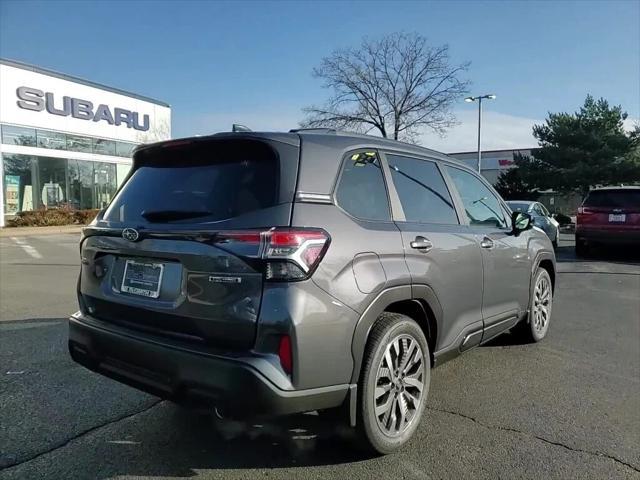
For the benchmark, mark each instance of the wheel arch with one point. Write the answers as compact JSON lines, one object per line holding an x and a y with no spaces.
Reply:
{"x":417,"y":302}
{"x":547,"y":261}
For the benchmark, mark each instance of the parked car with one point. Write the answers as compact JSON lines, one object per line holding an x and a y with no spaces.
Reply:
{"x":541,"y":217}
{"x":608,"y":216}
{"x":276,"y":273}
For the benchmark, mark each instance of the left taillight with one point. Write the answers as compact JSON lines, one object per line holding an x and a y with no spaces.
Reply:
{"x":293,"y":254}
{"x":287,"y":254}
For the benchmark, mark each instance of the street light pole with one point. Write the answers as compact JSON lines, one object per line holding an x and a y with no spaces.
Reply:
{"x":479,"y":99}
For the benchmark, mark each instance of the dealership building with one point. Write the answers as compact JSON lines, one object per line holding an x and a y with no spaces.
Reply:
{"x":66,"y":141}
{"x":494,"y":162}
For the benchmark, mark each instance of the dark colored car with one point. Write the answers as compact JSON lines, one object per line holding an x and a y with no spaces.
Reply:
{"x":608,"y":216}
{"x":276,"y":273}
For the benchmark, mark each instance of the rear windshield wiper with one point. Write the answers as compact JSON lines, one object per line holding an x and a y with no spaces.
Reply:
{"x":169,"y":215}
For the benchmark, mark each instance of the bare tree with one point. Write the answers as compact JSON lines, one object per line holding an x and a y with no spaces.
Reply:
{"x":396,"y":85}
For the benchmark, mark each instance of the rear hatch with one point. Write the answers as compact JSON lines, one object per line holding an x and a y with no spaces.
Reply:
{"x":611,"y":209}
{"x":177,"y":252}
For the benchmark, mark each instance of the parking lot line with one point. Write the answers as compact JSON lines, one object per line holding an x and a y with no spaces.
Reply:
{"x":31,"y":251}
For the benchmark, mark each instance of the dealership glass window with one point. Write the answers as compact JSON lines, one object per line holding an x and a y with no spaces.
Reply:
{"x":104,"y":175}
{"x":104,"y":147}
{"x":18,"y":136}
{"x":52,"y":176}
{"x":76,"y":143}
{"x":18,"y":183}
{"x":49,"y":139}
{"x":124,"y":149}
{"x":91,"y":184}
{"x":81,"y":187}
{"x":122,"y":170}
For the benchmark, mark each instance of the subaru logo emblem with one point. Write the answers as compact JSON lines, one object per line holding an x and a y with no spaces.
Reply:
{"x":130,"y":234}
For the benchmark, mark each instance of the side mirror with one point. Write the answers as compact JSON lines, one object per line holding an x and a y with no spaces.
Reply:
{"x":521,"y":221}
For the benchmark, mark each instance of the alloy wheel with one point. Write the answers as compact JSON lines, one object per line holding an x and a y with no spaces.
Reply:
{"x":399,"y":385}
{"x":542,"y":300}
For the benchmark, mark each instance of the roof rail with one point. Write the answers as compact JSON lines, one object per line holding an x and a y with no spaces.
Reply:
{"x":313,"y":130}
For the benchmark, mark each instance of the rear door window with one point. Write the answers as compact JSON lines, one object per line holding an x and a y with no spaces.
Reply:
{"x":422,"y":191}
{"x":629,"y":198}
{"x":200,"y":182}
{"x":361,"y":190}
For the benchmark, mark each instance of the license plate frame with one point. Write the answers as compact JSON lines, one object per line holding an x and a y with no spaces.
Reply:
{"x":148,"y":287}
{"x":617,"y":218}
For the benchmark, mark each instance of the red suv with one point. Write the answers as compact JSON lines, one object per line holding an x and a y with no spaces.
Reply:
{"x":609,"y":215}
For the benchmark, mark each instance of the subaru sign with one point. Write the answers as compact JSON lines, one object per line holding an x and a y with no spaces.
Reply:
{"x":38,"y":101}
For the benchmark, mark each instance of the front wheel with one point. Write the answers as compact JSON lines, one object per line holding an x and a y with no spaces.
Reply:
{"x":535,"y":327}
{"x":394,"y":383}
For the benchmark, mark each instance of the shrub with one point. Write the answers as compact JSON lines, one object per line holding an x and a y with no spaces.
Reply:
{"x":46,"y":217}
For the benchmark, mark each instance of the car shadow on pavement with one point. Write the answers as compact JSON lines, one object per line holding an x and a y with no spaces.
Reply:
{"x":187,"y":442}
{"x":506,"y":339}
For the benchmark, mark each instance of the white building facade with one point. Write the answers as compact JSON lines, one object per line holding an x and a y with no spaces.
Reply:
{"x":494,"y":162}
{"x":67,"y":142}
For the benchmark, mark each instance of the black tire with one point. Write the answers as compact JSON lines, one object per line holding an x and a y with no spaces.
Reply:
{"x":388,"y":328}
{"x":582,"y":250}
{"x":529,"y":329}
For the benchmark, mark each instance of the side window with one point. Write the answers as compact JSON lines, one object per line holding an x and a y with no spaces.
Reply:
{"x":361,"y":190}
{"x":544,"y":210}
{"x":422,"y":191}
{"x":480,"y":204}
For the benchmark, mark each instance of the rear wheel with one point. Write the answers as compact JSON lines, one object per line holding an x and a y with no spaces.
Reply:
{"x":394,"y":383}
{"x":582,"y":250}
{"x":535,"y":327}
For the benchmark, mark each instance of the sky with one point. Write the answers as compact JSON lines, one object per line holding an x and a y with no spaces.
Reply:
{"x":219,"y":63}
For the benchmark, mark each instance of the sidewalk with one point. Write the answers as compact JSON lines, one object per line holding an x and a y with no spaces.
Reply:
{"x":34,"y":231}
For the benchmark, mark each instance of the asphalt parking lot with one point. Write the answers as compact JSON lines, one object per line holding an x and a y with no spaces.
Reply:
{"x":566,"y":408}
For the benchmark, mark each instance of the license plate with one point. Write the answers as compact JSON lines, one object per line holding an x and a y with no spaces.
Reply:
{"x":617,"y":217}
{"x":142,"y":278}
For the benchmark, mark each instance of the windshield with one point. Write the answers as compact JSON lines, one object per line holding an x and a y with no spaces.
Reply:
{"x":614,"y":198}
{"x":518,"y":206}
{"x":205,"y":182}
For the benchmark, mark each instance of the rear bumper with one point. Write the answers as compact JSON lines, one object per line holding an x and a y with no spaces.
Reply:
{"x":193,"y":378}
{"x":610,"y":236}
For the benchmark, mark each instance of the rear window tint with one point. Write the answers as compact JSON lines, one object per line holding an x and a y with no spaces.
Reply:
{"x":422,"y":191}
{"x":613,"y":199}
{"x":362,"y":191}
{"x":203,"y":182}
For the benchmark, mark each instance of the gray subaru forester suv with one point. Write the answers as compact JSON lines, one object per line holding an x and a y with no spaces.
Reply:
{"x":275,"y":273}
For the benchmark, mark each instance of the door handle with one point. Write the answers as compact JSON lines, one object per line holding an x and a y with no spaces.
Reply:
{"x":486,"y":242}
{"x":421,"y":243}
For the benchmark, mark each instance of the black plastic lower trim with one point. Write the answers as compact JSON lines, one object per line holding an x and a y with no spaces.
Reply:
{"x":186,"y":377}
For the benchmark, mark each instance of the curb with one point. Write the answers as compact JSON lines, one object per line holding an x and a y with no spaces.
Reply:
{"x":38,"y":231}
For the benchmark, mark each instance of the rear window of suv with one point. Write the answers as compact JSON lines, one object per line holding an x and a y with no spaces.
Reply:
{"x":629,"y":198}
{"x":198,"y":182}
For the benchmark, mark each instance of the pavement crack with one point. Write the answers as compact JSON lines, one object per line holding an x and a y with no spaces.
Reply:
{"x":77,"y":436}
{"x":537,"y":437}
